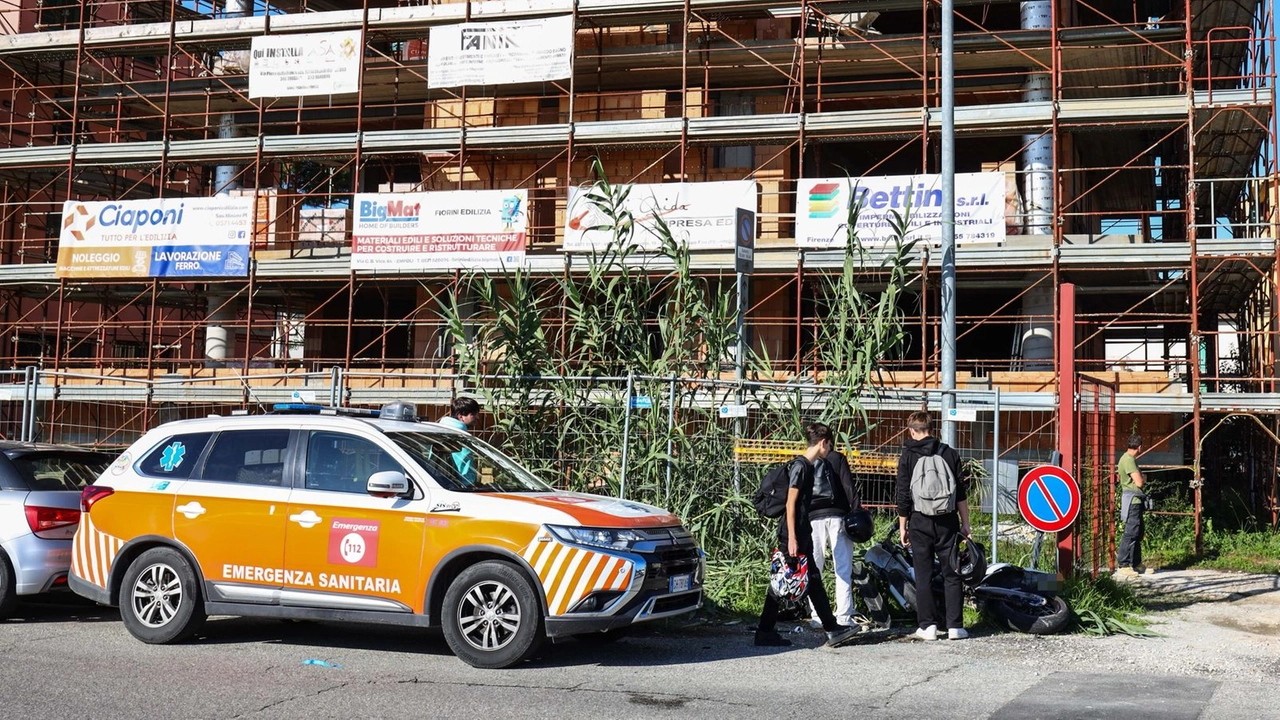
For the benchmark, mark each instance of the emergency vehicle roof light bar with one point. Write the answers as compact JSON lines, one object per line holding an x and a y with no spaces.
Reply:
{"x":399,"y":410}
{"x":313,"y":409}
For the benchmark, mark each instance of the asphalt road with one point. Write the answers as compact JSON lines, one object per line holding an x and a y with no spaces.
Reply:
{"x":69,"y":659}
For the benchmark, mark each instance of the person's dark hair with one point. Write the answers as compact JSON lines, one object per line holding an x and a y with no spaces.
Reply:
{"x":815,"y":433}
{"x":465,"y":406}
{"x":1135,"y":441}
{"x":920,"y":421}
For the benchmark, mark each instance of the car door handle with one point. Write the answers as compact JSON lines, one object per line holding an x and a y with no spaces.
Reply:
{"x":191,"y":510}
{"x":306,"y":519}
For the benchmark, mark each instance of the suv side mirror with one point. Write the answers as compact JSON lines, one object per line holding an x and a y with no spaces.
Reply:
{"x":388,"y":482}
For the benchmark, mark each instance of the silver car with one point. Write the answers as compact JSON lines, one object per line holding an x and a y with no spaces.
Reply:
{"x":39,"y":511}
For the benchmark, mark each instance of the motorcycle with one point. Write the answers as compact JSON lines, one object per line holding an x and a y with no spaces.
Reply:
{"x":1026,"y":600}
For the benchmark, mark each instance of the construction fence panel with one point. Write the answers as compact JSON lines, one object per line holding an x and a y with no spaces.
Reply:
{"x":112,"y":411}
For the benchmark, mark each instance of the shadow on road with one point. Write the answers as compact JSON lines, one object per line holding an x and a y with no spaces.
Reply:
{"x":1173,"y":589}
{"x":61,"y":608}
{"x":645,"y":647}
{"x":307,"y":633}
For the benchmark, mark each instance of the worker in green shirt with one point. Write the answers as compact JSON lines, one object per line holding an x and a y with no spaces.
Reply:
{"x":1132,"y":504}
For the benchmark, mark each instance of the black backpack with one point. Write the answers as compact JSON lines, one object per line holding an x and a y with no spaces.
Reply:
{"x":771,"y":499}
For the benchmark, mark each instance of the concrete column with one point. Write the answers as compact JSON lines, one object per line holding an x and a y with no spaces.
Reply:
{"x":219,"y":332}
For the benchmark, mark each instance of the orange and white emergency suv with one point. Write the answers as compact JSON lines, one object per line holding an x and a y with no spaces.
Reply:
{"x":376,"y":519}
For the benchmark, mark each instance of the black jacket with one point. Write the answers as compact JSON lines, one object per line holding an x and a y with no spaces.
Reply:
{"x":834,"y":494}
{"x":912,"y":451}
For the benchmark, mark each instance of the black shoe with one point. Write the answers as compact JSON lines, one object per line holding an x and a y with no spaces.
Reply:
{"x":839,"y":637}
{"x":771,"y":638}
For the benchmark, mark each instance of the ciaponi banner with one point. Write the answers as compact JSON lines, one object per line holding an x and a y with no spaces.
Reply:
{"x":169,"y":237}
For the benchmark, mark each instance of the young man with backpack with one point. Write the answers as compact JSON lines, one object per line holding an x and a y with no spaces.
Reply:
{"x":932,"y":513}
{"x":834,"y":496}
{"x":795,"y":538}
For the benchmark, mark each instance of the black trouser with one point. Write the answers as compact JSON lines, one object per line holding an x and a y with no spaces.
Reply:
{"x":817,"y":594}
{"x":1130,"y":554}
{"x":930,"y":537}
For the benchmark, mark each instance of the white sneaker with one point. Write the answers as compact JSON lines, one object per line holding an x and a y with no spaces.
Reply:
{"x":929,"y":633}
{"x":847,"y":620}
{"x":957,"y":634}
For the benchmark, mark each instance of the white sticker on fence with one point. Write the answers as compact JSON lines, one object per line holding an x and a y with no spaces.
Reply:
{"x":733,"y":411}
{"x":310,"y":64}
{"x":822,"y":209}
{"x":963,"y":414}
{"x":496,"y":53}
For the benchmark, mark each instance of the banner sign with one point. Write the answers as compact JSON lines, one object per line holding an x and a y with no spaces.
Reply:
{"x":171,"y":237}
{"x":822,"y":208}
{"x":702,"y":215}
{"x":311,"y":64}
{"x":497,"y":53}
{"x":439,"y":230}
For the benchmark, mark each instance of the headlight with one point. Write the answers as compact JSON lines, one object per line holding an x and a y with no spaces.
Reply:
{"x":616,"y":539}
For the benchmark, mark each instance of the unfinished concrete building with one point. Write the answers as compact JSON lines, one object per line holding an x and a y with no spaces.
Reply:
{"x":1135,"y":139}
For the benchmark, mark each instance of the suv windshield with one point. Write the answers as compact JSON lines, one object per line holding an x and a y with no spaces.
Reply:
{"x":463,"y":463}
{"x":60,"y":470}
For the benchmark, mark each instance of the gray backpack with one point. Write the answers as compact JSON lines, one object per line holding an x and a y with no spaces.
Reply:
{"x":933,"y":485}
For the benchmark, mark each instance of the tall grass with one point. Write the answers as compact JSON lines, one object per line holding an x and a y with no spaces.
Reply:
{"x":561,"y":347}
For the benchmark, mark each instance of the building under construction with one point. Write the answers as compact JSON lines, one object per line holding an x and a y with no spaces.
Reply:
{"x":1132,"y":141}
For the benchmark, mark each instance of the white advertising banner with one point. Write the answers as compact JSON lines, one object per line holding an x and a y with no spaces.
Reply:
{"x":701,"y":215}
{"x":311,"y":64}
{"x":497,"y":53}
{"x":822,"y":208}
{"x":169,"y":237}
{"x":439,"y":230}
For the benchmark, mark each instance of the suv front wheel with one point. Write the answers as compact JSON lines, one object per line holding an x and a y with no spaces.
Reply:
{"x":491,"y":616}
{"x":160,"y":600}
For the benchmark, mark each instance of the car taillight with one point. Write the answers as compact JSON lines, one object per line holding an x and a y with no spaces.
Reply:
{"x":42,"y":519}
{"x":92,"y":494}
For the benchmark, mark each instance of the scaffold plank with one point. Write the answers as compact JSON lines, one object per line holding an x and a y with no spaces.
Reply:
{"x":758,"y":129}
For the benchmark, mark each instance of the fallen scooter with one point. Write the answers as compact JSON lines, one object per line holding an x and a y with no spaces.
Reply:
{"x":1026,"y":600}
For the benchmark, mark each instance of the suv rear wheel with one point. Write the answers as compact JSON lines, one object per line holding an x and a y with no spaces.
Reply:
{"x":160,"y":599}
{"x":491,"y":616}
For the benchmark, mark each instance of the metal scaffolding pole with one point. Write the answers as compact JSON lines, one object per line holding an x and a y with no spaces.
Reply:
{"x":948,"y":284}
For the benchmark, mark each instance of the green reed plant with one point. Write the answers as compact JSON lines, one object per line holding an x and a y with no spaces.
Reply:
{"x":552,"y":358}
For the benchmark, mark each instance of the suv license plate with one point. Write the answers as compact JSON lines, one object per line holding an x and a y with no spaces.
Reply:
{"x":680,"y":583}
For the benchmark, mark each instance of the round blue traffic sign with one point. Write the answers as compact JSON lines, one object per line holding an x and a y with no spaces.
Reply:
{"x":1049,"y":498}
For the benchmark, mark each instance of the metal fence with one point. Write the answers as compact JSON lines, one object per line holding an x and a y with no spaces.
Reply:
{"x":659,"y":439}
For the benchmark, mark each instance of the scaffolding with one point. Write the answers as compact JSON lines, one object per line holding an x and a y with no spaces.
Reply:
{"x":1157,"y":117}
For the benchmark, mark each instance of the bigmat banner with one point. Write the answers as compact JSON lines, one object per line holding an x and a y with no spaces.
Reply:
{"x":701,"y":215}
{"x":496,"y":53}
{"x":311,"y":64}
{"x":170,"y":237}
{"x":433,"y":230}
{"x":822,"y":208}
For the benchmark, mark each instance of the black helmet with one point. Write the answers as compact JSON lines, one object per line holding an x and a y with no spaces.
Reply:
{"x":971,"y":560}
{"x":858,"y":525}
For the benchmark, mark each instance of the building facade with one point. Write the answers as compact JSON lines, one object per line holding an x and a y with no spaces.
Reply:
{"x":1135,"y":141}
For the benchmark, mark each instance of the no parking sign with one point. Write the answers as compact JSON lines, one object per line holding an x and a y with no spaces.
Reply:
{"x":1049,"y":498}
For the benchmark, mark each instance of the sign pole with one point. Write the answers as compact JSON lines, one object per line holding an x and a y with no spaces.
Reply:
{"x":744,"y":261}
{"x":948,"y":289}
